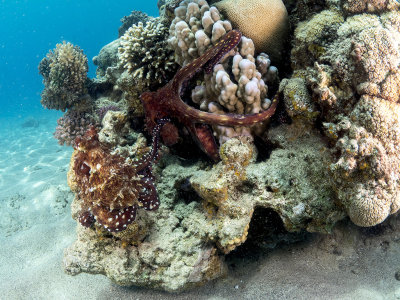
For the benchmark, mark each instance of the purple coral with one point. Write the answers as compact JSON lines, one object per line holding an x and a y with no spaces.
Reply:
{"x":101,"y":112}
{"x":72,"y":125}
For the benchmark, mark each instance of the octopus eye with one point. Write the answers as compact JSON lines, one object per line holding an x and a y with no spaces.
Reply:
{"x":84,"y":169}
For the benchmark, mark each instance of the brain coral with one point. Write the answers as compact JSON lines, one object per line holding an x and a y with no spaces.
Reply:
{"x":266,"y":22}
{"x":64,"y":75}
{"x":351,"y":67}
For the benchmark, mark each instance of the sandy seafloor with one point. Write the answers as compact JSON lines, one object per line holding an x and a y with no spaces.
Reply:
{"x":36,"y":226}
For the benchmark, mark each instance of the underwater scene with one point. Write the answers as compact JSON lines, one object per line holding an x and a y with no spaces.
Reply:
{"x":193,"y":149}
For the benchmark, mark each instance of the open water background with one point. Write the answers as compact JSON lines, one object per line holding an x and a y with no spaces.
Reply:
{"x":30,"y":28}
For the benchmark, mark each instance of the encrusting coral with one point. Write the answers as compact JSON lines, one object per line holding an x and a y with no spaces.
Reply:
{"x":64,"y":72}
{"x":351,"y":67}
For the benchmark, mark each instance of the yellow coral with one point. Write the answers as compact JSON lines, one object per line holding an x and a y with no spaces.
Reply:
{"x":265,"y":22}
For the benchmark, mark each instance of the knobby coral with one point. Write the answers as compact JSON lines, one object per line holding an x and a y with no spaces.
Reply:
{"x":198,"y":27}
{"x":166,"y":102}
{"x":349,"y":66}
{"x":64,"y":72}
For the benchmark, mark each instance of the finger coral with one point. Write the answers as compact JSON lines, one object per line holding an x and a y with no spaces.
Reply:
{"x":198,"y":27}
{"x":64,"y":72}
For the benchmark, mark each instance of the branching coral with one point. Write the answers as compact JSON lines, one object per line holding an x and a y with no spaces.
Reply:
{"x":134,"y":18}
{"x":72,"y":125}
{"x":144,"y":53}
{"x":64,"y":76}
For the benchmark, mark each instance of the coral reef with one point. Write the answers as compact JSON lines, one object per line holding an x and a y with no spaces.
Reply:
{"x":197,"y":27}
{"x":72,"y":125}
{"x":331,"y":152}
{"x":166,"y":102}
{"x":107,"y":57}
{"x":180,"y":245}
{"x":64,"y":72}
{"x":350,"y":65}
{"x":266,"y":23}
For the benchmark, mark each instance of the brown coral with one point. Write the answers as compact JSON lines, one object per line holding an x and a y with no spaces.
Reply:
{"x":64,"y":75}
{"x":144,"y":53}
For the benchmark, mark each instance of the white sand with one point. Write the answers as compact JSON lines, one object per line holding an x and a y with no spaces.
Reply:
{"x":35,"y":227}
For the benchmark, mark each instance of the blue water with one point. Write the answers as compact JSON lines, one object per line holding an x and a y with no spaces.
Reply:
{"x":29,"y":28}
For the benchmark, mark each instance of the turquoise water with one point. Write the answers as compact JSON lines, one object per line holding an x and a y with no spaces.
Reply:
{"x":30,"y":28}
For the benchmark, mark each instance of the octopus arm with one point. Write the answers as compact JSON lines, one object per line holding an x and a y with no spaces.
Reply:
{"x":149,"y":197}
{"x":208,"y":60}
{"x":204,"y":137}
{"x":226,"y":119}
{"x":152,"y":155}
{"x":115,"y":220}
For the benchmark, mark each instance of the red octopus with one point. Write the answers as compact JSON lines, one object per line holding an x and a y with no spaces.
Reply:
{"x":111,"y":189}
{"x":166,"y":102}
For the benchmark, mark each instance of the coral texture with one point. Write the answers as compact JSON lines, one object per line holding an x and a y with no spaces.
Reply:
{"x":369,"y":6}
{"x":180,"y":245}
{"x":134,"y":18}
{"x":166,"y":102}
{"x":107,"y":57}
{"x":197,"y":27}
{"x":266,"y":22}
{"x":351,"y":65}
{"x":64,"y":72}
{"x":72,"y":125}
{"x":333,"y":150}
{"x":144,"y":53}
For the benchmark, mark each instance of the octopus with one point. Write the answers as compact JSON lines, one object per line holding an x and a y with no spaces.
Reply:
{"x":111,"y":188}
{"x":167,"y":102}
